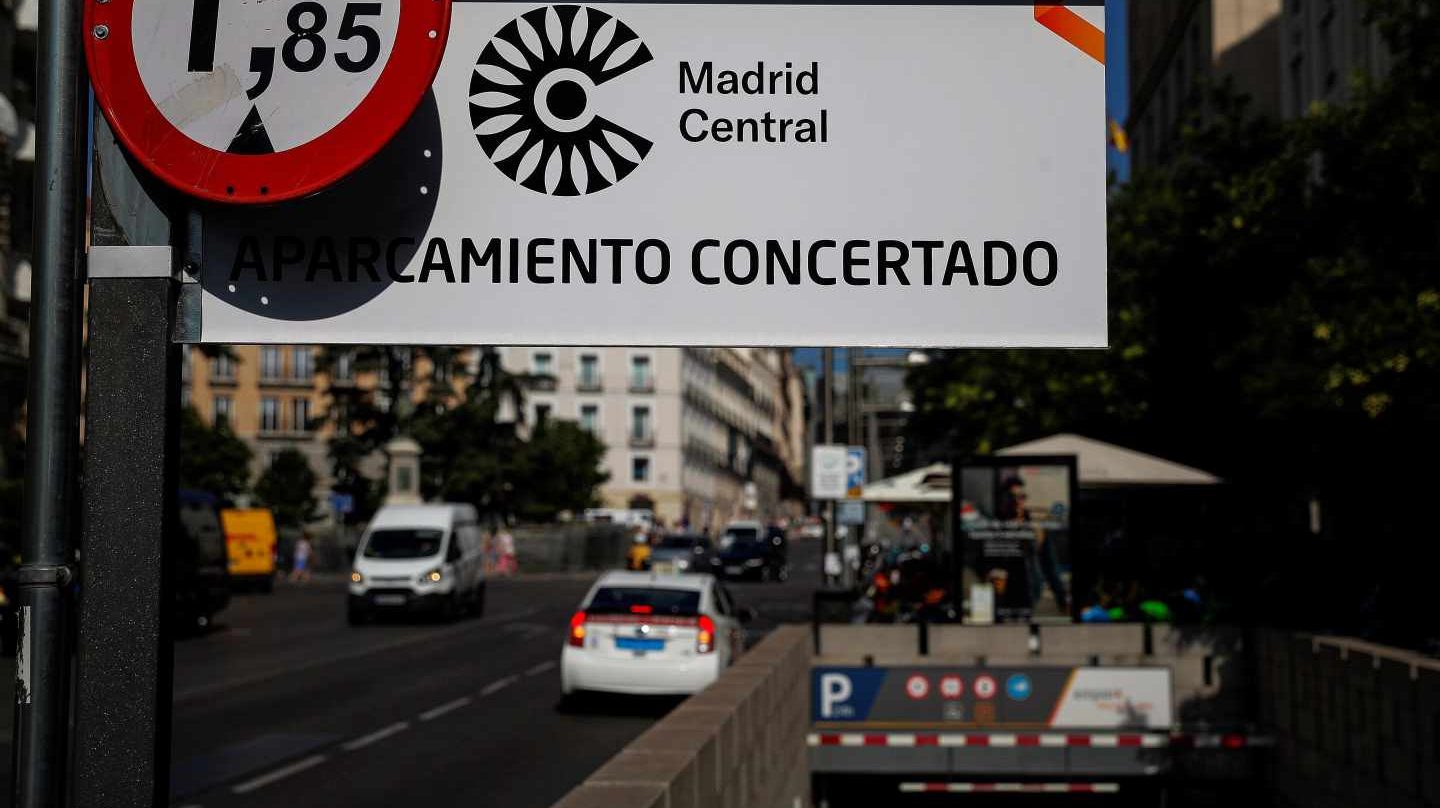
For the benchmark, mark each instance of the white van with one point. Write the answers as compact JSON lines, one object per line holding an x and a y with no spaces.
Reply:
{"x":419,"y":559}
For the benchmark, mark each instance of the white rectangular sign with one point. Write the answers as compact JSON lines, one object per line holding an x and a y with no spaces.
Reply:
{"x":829,"y":472}
{"x":704,"y":174}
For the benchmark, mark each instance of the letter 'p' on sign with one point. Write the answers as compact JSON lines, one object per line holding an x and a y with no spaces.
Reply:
{"x":835,"y":689}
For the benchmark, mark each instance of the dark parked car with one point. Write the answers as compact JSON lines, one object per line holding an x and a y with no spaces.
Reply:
{"x":683,"y":552}
{"x":749,"y":551}
{"x":202,"y":577}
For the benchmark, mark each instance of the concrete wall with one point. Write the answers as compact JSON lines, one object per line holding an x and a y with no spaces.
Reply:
{"x":1355,"y":723}
{"x":738,"y":744}
{"x":570,"y":547}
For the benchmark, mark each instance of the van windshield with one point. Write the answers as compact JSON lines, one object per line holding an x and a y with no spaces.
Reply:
{"x":405,"y":542}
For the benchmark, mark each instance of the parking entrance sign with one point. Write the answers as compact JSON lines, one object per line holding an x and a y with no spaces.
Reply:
{"x":634,"y":173}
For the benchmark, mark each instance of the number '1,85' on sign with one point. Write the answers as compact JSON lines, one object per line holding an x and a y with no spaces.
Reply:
{"x":261,"y":102}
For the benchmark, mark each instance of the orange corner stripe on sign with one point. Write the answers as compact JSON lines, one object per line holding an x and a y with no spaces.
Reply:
{"x":1073,"y":28}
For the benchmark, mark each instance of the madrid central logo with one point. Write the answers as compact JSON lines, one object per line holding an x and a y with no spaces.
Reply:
{"x":532,"y":100}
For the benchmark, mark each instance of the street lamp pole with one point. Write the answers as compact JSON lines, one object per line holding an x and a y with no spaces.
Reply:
{"x":827,"y":436}
{"x":53,"y":424}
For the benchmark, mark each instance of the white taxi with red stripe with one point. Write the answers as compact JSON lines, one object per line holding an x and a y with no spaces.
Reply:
{"x":651,"y":634}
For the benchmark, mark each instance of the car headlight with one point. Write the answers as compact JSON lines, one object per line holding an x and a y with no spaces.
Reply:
{"x":754,"y":562}
{"x":682,"y":564}
{"x":356,"y":577}
{"x":434,"y":576}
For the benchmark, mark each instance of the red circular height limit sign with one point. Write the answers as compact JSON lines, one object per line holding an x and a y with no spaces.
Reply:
{"x":261,"y":101}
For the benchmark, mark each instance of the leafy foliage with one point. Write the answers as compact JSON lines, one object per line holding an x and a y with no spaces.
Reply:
{"x":468,"y":419}
{"x":367,"y":416}
{"x":1275,"y":318}
{"x":212,"y":459}
{"x":287,"y":488}
{"x":561,"y":470}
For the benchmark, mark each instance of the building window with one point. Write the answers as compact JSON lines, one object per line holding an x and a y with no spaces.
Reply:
{"x":222,"y":368}
{"x":303,"y":363}
{"x":300,"y":414}
{"x":542,"y":363}
{"x":1326,"y":37}
{"x":269,"y":415}
{"x":185,"y":363}
{"x":641,"y":431}
{"x":345,"y":366}
{"x":590,"y":418}
{"x":272,"y":363}
{"x":641,"y":377}
{"x":1297,"y":86}
{"x":589,"y":372}
{"x":542,"y":413}
{"x":640,"y":469}
{"x":184,"y":397}
{"x":222,"y":411}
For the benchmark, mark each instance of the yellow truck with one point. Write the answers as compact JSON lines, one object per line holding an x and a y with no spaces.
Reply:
{"x":250,"y":546}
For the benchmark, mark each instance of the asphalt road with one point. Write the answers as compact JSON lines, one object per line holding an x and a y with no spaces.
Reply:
{"x":284,"y":704}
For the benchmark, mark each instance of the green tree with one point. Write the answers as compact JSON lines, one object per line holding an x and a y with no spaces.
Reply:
{"x":560,"y":471}
{"x":366,"y":416}
{"x":287,"y":487}
{"x":212,"y":459}
{"x":1275,"y":318}
{"x":470,"y":456}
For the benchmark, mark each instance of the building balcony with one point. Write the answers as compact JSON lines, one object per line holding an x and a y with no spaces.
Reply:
{"x":217,"y":381}
{"x":589,"y":386}
{"x":287,"y":434}
{"x":282,"y":380}
{"x":642,"y":385}
{"x":541,"y":383}
{"x":642,"y":441}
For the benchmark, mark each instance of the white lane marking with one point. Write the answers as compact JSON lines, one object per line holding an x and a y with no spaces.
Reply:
{"x":449,"y":706}
{"x":410,"y":639}
{"x":541,"y":668}
{"x":279,"y":774}
{"x":498,"y":685}
{"x":378,"y":735}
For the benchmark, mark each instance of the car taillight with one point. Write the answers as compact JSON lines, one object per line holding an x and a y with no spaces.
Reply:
{"x":577,"y":630}
{"x":705,"y":638}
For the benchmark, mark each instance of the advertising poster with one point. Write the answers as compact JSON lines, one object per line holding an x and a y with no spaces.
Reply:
{"x":1013,"y":532}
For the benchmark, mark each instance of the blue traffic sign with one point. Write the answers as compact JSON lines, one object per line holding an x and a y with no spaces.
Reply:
{"x":1018,"y":687}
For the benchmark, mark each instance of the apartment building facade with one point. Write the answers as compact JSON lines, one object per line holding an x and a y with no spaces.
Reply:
{"x":1323,"y":44}
{"x":1175,"y":45}
{"x":1286,"y":55}
{"x":700,"y":435}
{"x":270,"y":396}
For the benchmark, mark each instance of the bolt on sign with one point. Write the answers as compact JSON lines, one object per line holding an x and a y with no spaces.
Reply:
{"x":686,"y":174}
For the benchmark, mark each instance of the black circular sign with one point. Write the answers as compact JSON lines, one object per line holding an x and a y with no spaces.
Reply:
{"x":532,"y":100}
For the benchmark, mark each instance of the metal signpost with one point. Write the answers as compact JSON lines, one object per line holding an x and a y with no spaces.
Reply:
{"x":52,"y":426}
{"x":413,"y":172}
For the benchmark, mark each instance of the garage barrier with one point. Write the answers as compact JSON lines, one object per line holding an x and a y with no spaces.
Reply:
{"x":1340,"y":722}
{"x":741,"y":743}
{"x":1355,"y":723}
